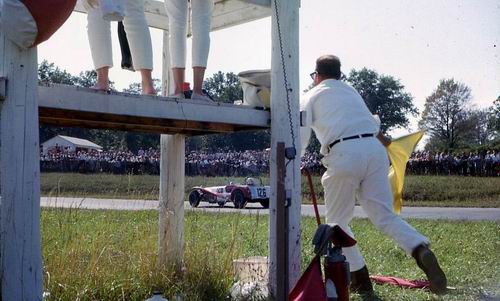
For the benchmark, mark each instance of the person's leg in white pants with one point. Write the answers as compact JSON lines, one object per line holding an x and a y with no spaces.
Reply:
{"x":340,"y":182}
{"x":99,"y":35}
{"x":139,"y":38}
{"x":177,"y":11}
{"x":362,"y":166}
{"x":376,"y":199}
{"x":202,"y":17}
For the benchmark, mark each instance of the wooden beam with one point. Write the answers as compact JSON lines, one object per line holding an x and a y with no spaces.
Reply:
{"x":20,"y":251}
{"x":281,"y":226}
{"x":72,"y":106}
{"x":288,"y":12}
{"x":171,"y":205}
{"x":227,"y":13}
{"x":171,"y":198}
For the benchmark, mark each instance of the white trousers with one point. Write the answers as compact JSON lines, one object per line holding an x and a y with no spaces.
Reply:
{"x":358,"y":169}
{"x":201,"y":16}
{"x":136,"y":27}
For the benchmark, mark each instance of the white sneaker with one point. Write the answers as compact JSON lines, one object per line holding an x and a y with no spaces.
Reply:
{"x":202,"y":97}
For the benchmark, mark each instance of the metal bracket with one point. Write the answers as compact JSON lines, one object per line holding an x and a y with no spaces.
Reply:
{"x":3,"y":87}
{"x":303,"y":116}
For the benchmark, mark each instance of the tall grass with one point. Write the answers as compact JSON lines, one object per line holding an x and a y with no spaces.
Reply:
{"x":111,"y":255}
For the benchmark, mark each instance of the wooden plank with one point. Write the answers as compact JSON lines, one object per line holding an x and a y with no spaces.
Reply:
{"x":171,"y":198}
{"x":69,"y":118}
{"x":288,"y":12}
{"x":20,"y":252}
{"x":282,"y":226}
{"x":227,"y":13}
{"x":171,"y":205}
{"x":65,"y":105}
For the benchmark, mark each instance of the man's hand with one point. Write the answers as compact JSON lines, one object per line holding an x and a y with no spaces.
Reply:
{"x":386,"y":141}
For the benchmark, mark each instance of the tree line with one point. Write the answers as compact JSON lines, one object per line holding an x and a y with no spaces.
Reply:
{"x":452,"y":122}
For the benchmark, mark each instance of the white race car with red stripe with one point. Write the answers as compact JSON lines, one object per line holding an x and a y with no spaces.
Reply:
{"x":239,"y":194}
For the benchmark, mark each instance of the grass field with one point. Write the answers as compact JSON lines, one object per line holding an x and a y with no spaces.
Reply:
{"x":110,"y":255}
{"x":419,"y":190}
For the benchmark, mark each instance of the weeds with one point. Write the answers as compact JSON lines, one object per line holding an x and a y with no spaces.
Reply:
{"x":112,"y":255}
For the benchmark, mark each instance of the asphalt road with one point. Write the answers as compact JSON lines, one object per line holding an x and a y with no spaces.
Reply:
{"x":472,"y":214}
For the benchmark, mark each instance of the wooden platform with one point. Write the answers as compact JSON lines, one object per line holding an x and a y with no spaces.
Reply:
{"x":70,"y":106}
{"x":227,"y":13}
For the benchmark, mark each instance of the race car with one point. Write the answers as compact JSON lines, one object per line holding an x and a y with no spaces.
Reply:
{"x":239,"y":194}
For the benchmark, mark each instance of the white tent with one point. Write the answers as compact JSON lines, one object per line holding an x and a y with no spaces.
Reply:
{"x":70,"y":144}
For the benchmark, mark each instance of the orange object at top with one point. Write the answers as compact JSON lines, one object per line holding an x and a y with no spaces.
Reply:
{"x":49,"y":15}
{"x":28,"y":23}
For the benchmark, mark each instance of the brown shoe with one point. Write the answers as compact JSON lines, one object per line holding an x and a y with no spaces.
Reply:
{"x":428,"y":262}
{"x":361,"y":283}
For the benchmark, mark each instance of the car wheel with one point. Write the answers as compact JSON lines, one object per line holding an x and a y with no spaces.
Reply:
{"x":264,"y":203}
{"x":221,"y":204}
{"x":194,"y":198}
{"x":239,"y":199}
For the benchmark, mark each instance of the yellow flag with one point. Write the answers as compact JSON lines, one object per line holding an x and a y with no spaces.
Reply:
{"x":399,"y":153}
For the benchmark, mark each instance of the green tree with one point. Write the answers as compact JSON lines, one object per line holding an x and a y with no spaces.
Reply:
{"x":48,"y":73}
{"x":495,"y":117}
{"x":135,"y":88}
{"x":445,"y":115}
{"x":478,"y":130}
{"x":385,"y":96}
{"x":88,"y":79}
{"x":225,"y":87}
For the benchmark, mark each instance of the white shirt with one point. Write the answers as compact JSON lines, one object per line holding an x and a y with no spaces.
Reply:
{"x":334,"y":110}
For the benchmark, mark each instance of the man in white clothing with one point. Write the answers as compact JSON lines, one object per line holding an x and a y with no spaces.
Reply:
{"x":357,"y":168}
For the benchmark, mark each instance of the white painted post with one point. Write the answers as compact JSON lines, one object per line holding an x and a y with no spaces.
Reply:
{"x":288,"y":13}
{"x":21,"y":259}
{"x":171,"y":206}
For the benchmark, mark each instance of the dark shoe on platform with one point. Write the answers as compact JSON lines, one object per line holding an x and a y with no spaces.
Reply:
{"x":428,"y":262}
{"x":361,"y":283}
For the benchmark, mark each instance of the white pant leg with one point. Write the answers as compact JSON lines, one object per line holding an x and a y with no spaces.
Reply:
{"x":138,"y":35}
{"x":340,"y":182}
{"x":201,"y":19}
{"x":376,"y":199}
{"x":99,"y":35}
{"x":177,"y":11}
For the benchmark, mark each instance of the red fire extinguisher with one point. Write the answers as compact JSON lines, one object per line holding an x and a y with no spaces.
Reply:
{"x":337,"y":276}
{"x":336,"y":267}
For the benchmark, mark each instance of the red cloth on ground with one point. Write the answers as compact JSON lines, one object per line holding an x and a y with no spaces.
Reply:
{"x":404,"y":283}
{"x":310,"y":286}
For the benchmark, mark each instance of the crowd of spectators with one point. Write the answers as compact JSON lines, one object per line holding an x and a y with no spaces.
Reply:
{"x":462,"y":164}
{"x":251,"y":163}
{"x":92,"y":161}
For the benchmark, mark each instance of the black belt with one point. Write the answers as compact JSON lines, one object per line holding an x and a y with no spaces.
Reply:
{"x":349,"y":138}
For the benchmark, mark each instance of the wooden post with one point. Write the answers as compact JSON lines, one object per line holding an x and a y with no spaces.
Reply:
{"x":21,"y":260}
{"x":288,"y":15}
{"x":281,"y":226}
{"x":171,"y":206}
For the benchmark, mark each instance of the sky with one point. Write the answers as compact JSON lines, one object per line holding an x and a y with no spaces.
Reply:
{"x":418,"y":42}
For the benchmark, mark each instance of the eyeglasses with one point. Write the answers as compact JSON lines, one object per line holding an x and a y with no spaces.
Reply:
{"x":313,"y":75}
